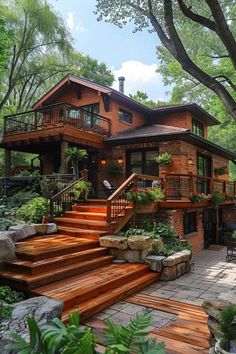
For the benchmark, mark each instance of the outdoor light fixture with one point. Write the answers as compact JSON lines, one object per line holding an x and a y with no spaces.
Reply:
{"x":103,"y":162}
{"x":120,"y":160}
{"x":190,"y":161}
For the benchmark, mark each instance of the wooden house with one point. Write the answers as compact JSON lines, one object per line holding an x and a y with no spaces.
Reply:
{"x":114,"y":127}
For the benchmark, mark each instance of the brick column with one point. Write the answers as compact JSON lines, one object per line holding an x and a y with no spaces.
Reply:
{"x":7,"y":158}
{"x":64,"y":167}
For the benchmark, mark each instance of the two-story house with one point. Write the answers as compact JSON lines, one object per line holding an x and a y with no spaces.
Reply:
{"x":113,"y":127}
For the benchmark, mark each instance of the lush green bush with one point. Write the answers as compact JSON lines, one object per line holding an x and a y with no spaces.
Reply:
{"x":172,"y":248}
{"x":217,"y":198}
{"x":20,"y":198}
{"x":6,"y":223}
{"x":33,"y":211}
{"x":8,"y":297}
{"x":146,"y":197}
{"x":165,"y":231}
{"x":71,"y":339}
{"x":228,"y":330}
{"x":5,"y":311}
{"x":137,"y":231}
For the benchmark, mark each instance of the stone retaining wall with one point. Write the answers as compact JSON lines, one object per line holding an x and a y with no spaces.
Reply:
{"x":137,"y":249}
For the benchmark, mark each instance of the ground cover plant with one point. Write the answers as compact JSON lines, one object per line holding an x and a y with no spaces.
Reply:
{"x":8,"y":297}
{"x":72,"y":339}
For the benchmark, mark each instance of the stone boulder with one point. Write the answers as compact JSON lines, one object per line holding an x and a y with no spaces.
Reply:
{"x":51,"y":228}
{"x":118,"y":242}
{"x":157,"y":244}
{"x":139,"y":242}
{"x":7,"y":248}
{"x":155,"y":262}
{"x":23,"y":231}
{"x":11,"y":234}
{"x":42,"y":308}
{"x":40,"y":229}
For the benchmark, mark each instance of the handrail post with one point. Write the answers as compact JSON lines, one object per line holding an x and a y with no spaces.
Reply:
{"x":164,"y":184}
{"x":211,"y":185}
{"x":108,"y":211}
{"x":51,"y":209}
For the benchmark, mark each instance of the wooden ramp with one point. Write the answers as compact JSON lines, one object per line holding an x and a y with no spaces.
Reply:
{"x":189,"y":334}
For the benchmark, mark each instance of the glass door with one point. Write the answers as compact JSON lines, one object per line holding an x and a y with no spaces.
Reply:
{"x":203,"y":170}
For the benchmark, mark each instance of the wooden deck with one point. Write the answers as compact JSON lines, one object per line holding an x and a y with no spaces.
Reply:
{"x":188,"y":334}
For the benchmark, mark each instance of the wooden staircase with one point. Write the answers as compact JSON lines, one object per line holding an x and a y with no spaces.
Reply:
{"x":70,"y":266}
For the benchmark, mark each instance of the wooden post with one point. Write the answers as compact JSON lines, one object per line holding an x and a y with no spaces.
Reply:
{"x":164,"y":184}
{"x":64,"y":167}
{"x":7,"y":158}
{"x":211,"y":185}
{"x":191,"y":183}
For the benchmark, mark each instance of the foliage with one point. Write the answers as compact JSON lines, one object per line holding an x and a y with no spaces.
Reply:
{"x":136,"y":231}
{"x":166,"y":232}
{"x":73,"y":155}
{"x":5,"y":311}
{"x":33,"y":211}
{"x":132,"y":337}
{"x":6,"y":223}
{"x":164,"y":159}
{"x":49,"y":187}
{"x":217,"y":198}
{"x":142,"y":98}
{"x":82,"y":188}
{"x":227,"y":316}
{"x":200,"y":197}
{"x":20,"y":198}
{"x":6,"y":36}
{"x":113,"y":169}
{"x":172,"y":247}
{"x":146,"y":197}
{"x":10,"y":296}
{"x":33,"y":178}
{"x":222,"y":170}
{"x":209,"y":62}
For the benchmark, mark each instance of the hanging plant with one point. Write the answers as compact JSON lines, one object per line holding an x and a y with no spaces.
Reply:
{"x":114,"y":169}
{"x":217,"y":198}
{"x":164,"y":159}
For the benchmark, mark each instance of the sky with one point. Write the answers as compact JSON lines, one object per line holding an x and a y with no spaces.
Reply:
{"x":128,"y":54}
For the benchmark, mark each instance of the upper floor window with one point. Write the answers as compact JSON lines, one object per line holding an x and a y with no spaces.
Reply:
{"x":125,"y":116}
{"x":198,"y":128}
{"x":90,"y":115}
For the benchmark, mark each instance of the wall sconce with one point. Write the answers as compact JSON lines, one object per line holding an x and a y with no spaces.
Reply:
{"x":103,"y":162}
{"x":190,"y":161}
{"x":120,"y":160}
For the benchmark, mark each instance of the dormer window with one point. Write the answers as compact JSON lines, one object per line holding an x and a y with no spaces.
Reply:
{"x":198,"y":128}
{"x":125,"y":116}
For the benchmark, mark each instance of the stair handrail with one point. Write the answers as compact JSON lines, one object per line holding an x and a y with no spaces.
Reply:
{"x":63,"y":192}
{"x":119,"y":195}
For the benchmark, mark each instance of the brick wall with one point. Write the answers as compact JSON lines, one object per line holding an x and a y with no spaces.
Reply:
{"x":229,"y":215}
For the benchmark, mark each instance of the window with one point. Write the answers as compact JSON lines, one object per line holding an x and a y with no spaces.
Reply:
{"x":203,"y":171}
{"x":142,"y":161}
{"x":198,"y":128}
{"x":126,"y":117}
{"x":90,"y":115}
{"x":190,"y":224}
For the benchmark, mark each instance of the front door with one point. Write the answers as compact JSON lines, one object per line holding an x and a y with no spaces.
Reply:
{"x":209,"y":223}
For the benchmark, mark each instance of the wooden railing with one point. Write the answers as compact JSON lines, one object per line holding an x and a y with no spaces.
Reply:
{"x":54,"y":116}
{"x":175,"y":187}
{"x":118,"y":201}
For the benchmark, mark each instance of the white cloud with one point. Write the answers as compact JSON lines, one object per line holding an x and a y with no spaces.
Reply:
{"x":72,"y":22}
{"x":142,"y":77}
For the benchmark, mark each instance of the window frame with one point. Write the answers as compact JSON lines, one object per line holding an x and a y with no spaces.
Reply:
{"x":189,"y":222}
{"x":123,"y":111}
{"x":198,"y":127}
{"x":143,"y":161}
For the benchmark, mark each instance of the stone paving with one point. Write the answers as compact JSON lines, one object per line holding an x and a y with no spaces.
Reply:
{"x":210,"y":276}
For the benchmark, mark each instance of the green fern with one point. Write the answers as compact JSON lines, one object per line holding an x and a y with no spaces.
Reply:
{"x":229,"y":332}
{"x":131,"y":338}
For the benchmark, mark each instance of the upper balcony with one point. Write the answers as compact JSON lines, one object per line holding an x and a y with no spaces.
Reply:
{"x":55,"y":116}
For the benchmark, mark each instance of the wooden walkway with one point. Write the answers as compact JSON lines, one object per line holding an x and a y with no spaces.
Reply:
{"x":188,"y":334}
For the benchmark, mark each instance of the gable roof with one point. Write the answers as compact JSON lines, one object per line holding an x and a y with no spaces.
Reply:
{"x":149,"y":112}
{"x":157,"y":132}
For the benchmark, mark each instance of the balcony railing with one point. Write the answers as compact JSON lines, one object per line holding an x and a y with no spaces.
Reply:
{"x":56,"y":116}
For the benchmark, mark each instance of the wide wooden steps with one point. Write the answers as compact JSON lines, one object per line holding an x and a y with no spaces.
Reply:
{"x":84,"y":233}
{"x":189,"y":334}
{"x":85,"y":223}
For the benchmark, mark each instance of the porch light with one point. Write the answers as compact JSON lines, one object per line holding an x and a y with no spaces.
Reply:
{"x":120,"y":160}
{"x":103,"y":162}
{"x":190,"y":161}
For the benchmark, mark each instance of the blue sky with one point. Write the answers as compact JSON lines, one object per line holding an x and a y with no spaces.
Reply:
{"x":132,"y":55}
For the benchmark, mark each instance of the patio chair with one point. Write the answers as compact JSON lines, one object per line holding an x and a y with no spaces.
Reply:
{"x":231,"y":248}
{"x":108,"y":188}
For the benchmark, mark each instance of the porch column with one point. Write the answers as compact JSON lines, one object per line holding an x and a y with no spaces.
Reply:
{"x":7,"y":158}
{"x":64,"y":167}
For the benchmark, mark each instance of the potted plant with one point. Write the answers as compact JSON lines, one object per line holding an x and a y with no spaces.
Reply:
{"x":217,"y":198}
{"x":164,"y":159}
{"x":114,"y":169}
{"x":222,"y":170}
{"x":73,"y":155}
{"x":146,"y":197}
{"x":81,"y":188}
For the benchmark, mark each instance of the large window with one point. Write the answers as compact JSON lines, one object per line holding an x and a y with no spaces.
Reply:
{"x":204,"y":172}
{"x":90,"y":118}
{"x":142,"y":161}
{"x":190,"y":223}
{"x":198,"y":128}
{"x":126,"y":117}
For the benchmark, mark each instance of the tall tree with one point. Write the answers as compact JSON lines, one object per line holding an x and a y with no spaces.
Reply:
{"x":5,"y":39}
{"x":166,"y":17}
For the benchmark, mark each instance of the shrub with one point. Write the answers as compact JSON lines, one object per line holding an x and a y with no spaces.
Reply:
{"x":33,"y":211}
{"x":6,"y":223}
{"x":226,"y":325}
{"x":5,"y":311}
{"x":217,"y":198}
{"x":114,"y":169}
{"x":10,"y":296}
{"x":20,"y":198}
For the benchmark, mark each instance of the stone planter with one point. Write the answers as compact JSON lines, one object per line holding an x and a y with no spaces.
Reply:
{"x":219,"y":349}
{"x":171,"y":267}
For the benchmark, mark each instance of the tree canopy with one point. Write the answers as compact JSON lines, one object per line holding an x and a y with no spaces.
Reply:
{"x":209,"y":25}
